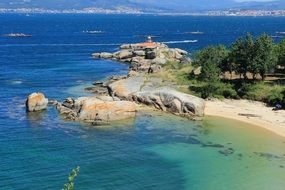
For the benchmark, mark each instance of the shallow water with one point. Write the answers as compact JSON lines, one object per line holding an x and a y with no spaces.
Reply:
{"x":155,"y":150}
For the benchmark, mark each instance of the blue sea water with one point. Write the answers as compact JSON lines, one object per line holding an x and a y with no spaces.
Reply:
{"x":153,"y":151}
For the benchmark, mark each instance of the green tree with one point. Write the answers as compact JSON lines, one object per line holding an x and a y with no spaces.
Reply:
{"x":281,"y":53}
{"x":70,"y":184}
{"x":211,"y":59}
{"x":241,"y":54}
{"x":265,"y":58}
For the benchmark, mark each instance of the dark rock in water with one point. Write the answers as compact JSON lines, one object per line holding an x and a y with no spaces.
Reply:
{"x":100,"y":90}
{"x":36,"y":102}
{"x":268,"y":155}
{"x":212,"y":145}
{"x":114,"y":78}
{"x":227,"y":151}
{"x":96,"y":83}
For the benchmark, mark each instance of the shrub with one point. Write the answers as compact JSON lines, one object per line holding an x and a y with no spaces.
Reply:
{"x":262,"y":92}
{"x":218,"y":90}
{"x":275,"y":96}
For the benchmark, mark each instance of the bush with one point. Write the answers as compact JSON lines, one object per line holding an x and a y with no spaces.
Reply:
{"x":218,"y":90}
{"x":262,"y":92}
{"x":283,"y":101}
{"x":256,"y":92}
{"x":275,"y":96}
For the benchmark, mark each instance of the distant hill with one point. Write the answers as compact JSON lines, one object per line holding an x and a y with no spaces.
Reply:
{"x":145,"y":5}
{"x":280,"y":4}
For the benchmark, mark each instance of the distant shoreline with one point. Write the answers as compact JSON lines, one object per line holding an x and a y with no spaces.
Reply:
{"x":114,"y":12}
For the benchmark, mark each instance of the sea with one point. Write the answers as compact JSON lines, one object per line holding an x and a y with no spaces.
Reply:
{"x":155,"y":150}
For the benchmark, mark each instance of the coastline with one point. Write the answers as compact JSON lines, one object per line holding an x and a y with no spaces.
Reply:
{"x":251,"y":112}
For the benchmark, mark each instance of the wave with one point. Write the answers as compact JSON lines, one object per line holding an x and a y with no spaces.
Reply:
{"x":181,"y":42}
{"x":26,"y":45}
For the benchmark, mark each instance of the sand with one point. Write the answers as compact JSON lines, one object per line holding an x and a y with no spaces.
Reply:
{"x":252,"y":112}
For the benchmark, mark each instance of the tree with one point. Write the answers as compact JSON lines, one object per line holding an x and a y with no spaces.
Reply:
{"x":70,"y":184}
{"x":211,"y":60}
{"x":281,"y":53}
{"x":265,"y":58}
{"x":210,"y":72}
{"x":241,"y":54}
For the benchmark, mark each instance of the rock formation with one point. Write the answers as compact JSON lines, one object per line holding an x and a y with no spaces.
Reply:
{"x":144,"y":57}
{"x":36,"y":102}
{"x":150,"y":92}
{"x":118,"y":97}
{"x":96,"y":110}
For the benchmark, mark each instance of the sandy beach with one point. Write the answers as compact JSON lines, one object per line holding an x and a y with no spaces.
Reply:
{"x":251,"y":112}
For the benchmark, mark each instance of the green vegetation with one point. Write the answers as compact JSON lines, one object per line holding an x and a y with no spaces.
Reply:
{"x":250,"y":68}
{"x":249,"y":61}
{"x":70,"y":184}
{"x":211,"y":59}
{"x":280,"y":50}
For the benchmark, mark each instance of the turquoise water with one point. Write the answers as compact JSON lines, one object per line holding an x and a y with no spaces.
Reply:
{"x":153,"y":151}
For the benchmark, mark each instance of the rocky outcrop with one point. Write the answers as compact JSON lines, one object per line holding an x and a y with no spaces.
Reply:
{"x":142,"y":57}
{"x":150,"y":92}
{"x":36,"y":102}
{"x":124,"y":89}
{"x":172,"y":101}
{"x":96,"y":110}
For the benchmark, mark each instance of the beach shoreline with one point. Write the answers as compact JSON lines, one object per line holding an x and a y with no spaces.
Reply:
{"x":251,"y":112}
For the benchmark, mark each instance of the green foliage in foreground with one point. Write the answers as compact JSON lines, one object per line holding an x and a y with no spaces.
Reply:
{"x":281,"y":53}
{"x":70,"y":184}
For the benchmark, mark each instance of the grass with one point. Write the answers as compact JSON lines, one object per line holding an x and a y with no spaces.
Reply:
{"x":175,"y":72}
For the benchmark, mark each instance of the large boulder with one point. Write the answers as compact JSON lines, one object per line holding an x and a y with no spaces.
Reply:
{"x":105,"y":55}
{"x":180,"y":51}
{"x":159,"y":61}
{"x":124,"y":54}
{"x":96,"y":110}
{"x":172,"y":101}
{"x":126,"y":46}
{"x":106,"y":111}
{"x":139,"y":53}
{"x":96,"y":55}
{"x":125,"y":88}
{"x":36,"y":102}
